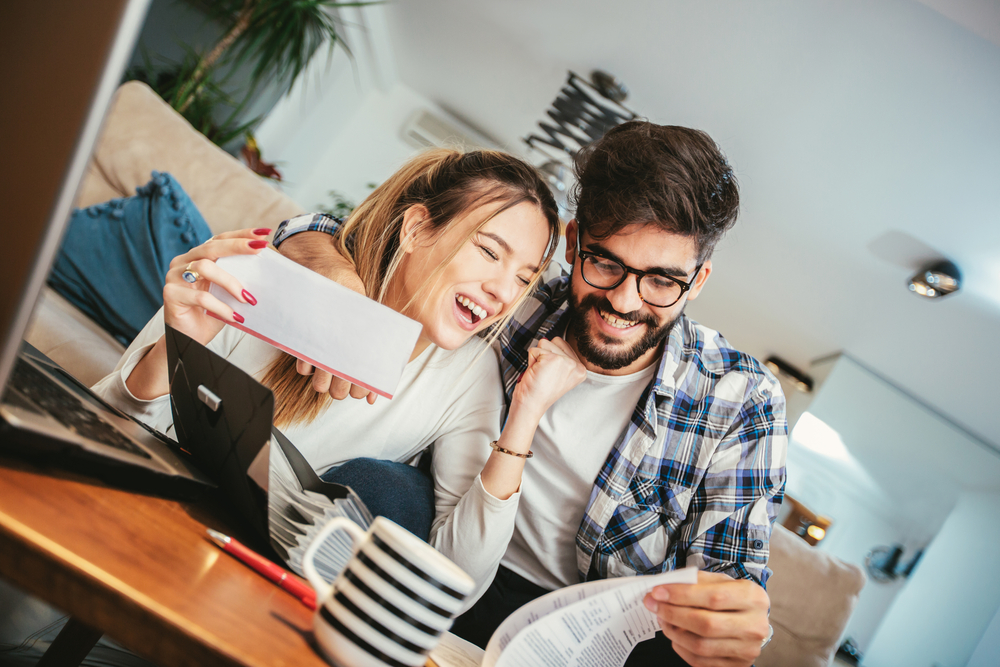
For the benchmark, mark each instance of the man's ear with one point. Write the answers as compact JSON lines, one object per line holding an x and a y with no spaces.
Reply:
{"x":415,"y":227}
{"x":699,"y":280}
{"x":572,"y":229}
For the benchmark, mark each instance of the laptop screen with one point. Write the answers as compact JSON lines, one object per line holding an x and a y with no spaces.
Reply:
{"x":62,"y":61}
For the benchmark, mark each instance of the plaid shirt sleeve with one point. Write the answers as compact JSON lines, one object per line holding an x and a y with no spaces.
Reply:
{"x":735,"y":505}
{"x":308,"y":222}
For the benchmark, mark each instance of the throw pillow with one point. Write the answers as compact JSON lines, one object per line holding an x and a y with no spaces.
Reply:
{"x":115,"y":256}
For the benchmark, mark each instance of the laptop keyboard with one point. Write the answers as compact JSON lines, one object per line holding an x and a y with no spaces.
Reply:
{"x":64,"y":407}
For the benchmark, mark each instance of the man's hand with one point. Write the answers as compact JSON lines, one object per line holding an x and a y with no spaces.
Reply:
{"x":718,"y":622}
{"x":316,"y":251}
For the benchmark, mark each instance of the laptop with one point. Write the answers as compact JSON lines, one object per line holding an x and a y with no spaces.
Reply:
{"x":49,"y":416}
{"x":57,"y":103}
{"x":223,"y":417}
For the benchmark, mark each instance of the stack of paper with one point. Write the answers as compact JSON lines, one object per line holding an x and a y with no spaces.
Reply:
{"x":296,"y":515}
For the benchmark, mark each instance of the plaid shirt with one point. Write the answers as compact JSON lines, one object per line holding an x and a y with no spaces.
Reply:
{"x":307,"y":222}
{"x":699,"y":473}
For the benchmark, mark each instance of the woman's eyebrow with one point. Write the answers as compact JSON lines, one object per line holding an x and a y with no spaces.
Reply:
{"x":505,"y":246}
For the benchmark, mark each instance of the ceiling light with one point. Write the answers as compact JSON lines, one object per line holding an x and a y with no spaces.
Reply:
{"x":937,"y":280}
{"x":816,"y":532}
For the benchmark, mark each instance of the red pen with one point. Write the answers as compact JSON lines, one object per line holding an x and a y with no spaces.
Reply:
{"x":278,"y":575}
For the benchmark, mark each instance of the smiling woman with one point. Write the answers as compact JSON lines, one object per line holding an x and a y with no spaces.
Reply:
{"x":455,"y":297}
{"x":454,"y":241}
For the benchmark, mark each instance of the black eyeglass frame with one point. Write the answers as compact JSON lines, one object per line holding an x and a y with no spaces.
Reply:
{"x":639,"y":275}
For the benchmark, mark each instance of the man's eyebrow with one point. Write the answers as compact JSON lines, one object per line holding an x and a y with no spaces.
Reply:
{"x":674,"y":271}
{"x":505,"y":246}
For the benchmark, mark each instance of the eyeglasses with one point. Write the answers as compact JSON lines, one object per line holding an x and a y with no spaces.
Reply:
{"x":656,"y":289}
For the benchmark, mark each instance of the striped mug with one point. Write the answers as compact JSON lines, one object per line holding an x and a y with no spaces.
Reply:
{"x":391,"y":603}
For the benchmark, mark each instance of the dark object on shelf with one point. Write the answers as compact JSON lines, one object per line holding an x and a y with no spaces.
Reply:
{"x":782,"y":368}
{"x":805,"y":523}
{"x":882,"y":563}
{"x":849,"y":653}
{"x":912,"y":565}
{"x":609,"y":85}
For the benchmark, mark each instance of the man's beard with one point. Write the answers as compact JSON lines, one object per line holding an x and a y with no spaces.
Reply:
{"x":609,"y":353}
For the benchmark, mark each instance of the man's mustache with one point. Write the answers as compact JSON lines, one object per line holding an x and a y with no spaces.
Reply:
{"x":602,"y":303}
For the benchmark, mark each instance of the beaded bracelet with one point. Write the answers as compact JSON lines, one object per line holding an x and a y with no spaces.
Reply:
{"x":500,"y":449}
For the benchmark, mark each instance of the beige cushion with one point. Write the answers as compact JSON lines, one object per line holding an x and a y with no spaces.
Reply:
{"x":142,"y":134}
{"x":812,"y":597}
{"x":71,"y":339}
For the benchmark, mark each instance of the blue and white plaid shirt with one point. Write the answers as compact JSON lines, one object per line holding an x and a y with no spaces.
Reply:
{"x":699,"y":473}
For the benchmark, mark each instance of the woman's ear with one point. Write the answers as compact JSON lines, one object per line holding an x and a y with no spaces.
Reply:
{"x":415,"y":227}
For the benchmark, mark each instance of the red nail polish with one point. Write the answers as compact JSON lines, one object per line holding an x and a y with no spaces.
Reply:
{"x":258,"y":244}
{"x":249,"y":297}
{"x":262,"y":231}
{"x":238,"y":318}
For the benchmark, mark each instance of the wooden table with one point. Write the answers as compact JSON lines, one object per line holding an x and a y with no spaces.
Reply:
{"x":141,"y":570}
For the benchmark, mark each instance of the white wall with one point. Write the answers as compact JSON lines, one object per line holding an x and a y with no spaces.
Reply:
{"x":863,"y":518}
{"x":324,"y":106}
{"x":987,"y":653}
{"x":949,"y":601}
{"x":368,"y":148}
{"x":897,"y":481}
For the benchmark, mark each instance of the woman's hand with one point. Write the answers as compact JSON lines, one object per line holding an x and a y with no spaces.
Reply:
{"x":553,"y":369}
{"x":184,"y":304}
{"x":188,"y":307}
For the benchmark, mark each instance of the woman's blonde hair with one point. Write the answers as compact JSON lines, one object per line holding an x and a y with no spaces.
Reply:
{"x":447,"y":183}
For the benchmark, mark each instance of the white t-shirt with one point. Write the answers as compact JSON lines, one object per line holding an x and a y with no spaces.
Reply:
{"x":451,"y":399}
{"x":558,"y":480}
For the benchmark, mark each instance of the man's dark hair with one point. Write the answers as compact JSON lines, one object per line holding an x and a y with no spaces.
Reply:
{"x":669,"y":176}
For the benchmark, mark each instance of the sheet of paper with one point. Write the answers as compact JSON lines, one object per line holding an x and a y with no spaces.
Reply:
{"x":592,"y":624}
{"x":454,"y":651}
{"x":315,"y":319}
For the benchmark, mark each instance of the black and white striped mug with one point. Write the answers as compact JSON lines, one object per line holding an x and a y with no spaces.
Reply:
{"x":391,"y":603}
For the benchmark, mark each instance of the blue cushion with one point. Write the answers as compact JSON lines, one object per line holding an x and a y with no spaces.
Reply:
{"x":115,"y":256}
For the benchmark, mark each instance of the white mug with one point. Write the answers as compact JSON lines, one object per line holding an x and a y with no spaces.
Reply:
{"x":393,"y":600}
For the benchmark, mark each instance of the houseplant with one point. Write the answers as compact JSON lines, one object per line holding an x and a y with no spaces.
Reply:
{"x":271,"y":39}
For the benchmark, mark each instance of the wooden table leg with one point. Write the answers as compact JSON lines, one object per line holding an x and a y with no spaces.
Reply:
{"x":71,"y":645}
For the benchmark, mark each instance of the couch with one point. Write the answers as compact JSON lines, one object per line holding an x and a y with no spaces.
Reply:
{"x":812,"y":594}
{"x":142,"y":134}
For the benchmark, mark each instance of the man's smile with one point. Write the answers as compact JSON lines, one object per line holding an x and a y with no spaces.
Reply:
{"x":615,"y":321}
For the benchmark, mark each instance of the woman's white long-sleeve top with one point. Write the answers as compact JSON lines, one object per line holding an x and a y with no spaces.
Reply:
{"x":451,"y":399}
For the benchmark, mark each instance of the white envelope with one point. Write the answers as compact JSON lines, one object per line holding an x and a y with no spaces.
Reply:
{"x":315,"y":319}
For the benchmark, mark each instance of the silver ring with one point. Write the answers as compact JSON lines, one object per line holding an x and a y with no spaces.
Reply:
{"x":191,"y":276}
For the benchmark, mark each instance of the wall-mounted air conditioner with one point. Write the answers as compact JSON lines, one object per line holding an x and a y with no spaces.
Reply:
{"x":429,"y":129}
